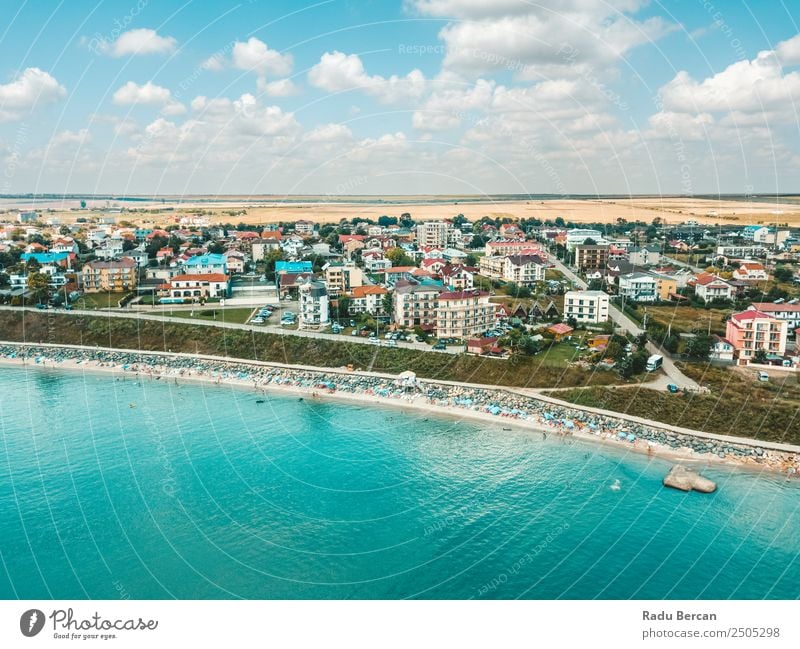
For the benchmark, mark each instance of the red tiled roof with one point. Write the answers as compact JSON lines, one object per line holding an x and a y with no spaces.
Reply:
{"x":361,"y":291}
{"x":560,"y":328}
{"x":767,"y":307}
{"x":461,"y":295}
{"x":750,"y":314}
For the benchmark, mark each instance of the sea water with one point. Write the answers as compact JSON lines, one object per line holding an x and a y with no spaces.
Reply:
{"x":146,"y":489}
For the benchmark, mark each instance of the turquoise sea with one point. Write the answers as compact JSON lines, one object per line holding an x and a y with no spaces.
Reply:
{"x":118,"y":489}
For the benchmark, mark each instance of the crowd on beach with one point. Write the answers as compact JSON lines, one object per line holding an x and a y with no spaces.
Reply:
{"x":504,"y":404}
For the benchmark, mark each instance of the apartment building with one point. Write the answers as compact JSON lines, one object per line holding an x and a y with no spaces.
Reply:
{"x":415,"y":304}
{"x":524,"y":270}
{"x":637,"y":286}
{"x":342,"y":278}
{"x":591,"y":257}
{"x":504,"y":248}
{"x":752,"y":331}
{"x":464,"y":314}
{"x":118,"y":275}
{"x":314,"y":304}
{"x":788,"y":313}
{"x":586,"y":306}
{"x":367,"y":299}
{"x":433,"y":233}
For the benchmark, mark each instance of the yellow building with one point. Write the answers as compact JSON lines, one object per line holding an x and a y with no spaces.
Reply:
{"x":115,"y":276}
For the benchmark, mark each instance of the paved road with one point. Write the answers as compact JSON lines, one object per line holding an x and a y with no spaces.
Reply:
{"x":627,"y":324}
{"x":273,"y":329}
{"x":683,"y":264}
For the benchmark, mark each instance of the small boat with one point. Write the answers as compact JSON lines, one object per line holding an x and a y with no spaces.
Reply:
{"x":259,"y":400}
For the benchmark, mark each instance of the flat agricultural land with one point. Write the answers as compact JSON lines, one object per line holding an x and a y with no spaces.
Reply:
{"x":687,"y":318}
{"x":672,"y":210}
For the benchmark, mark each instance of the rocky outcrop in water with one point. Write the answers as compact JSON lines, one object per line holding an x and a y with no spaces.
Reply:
{"x":688,"y":480}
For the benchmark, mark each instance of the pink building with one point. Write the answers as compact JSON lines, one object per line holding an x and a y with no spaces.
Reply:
{"x":753,"y":330}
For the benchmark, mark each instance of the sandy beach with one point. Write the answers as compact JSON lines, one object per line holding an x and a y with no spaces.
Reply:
{"x":671,"y":210}
{"x":492,"y":406}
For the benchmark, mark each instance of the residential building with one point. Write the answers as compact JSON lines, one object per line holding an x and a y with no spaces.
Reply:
{"x":711,"y":288}
{"x":752,"y":331}
{"x":721,"y":349}
{"x":666,"y":285}
{"x":492,"y":266}
{"x":210,"y":263}
{"x":367,"y":299}
{"x":235,"y":261}
{"x":117,"y":275}
{"x":741,"y":252}
{"x":649,"y":255}
{"x":591,"y":257}
{"x":139,"y":256}
{"x":503,"y":248}
{"x":314,"y":305}
{"x":464,"y":314}
{"x":750,"y":271}
{"x":197,"y":286}
{"x":524,"y":270}
{"x":586,"y":306}
{"x":788,"y":313}
{"x":109,"y":249}
{"x":638,"y":286}
{"x":342,"y":277}
{"x":260,"y":248}
{"x":578,"y":236}
{"x":433,"y":233}
{"x":375,"y":261}
{"x":27,"y":217}
{"x":304,"y":227}
{"x":415,"y":304}
{"x":457,"y":278}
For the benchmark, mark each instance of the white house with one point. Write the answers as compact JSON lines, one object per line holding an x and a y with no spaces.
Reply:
{"x":639,"y":287}
{"x":314,"y":304}
{"x":709,"y":288}
{"x":751,"y":271}
{"x":586,"y":306}
{"x":721,"y":349}
{"x":524,"y":270}
{"x":204,"y":285}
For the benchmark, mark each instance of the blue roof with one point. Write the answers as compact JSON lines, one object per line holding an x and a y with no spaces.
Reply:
{"x":211,"y":259}
{"x":45,"y":257}
{"x":293,"y":266}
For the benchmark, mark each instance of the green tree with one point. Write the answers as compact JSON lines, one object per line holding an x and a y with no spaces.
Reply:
{"x":699,"y":347}
{"x":37,"y":285}
{"x":760,"y":356}
{"x":398,"y":257}
{"x":783,"y":274}
{"x":388,"y":304}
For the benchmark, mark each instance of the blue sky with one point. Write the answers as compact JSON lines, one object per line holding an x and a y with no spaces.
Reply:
{"x":406,"y":96}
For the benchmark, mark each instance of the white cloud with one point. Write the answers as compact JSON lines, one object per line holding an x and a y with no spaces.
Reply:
{"x":138,"y":41}
{"x":540,"y":39}
{"x":329,"y":133}
{"x":279,"y":88}
{"x":32,"y":87}
{"x":338,"y":72}
{"x":758,"y":85}
{"x":213,"y":63}
{"x":149,"y":94}
{"x":65,"y":138}
{"x":256,"y":56}
{"x":789,"y":51}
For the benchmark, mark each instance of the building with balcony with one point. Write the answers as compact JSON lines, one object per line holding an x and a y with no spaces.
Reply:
{"x":314,"y":304}
{"x":589,"y":307}
{"x":366,"y":299}
{"x":464,"y":314}
{"x":711,"y":288}
{"x":788,"y":313}
{"x":752,"y":331}
{"x":415,"y":303}
{"x":591,"y":257}
{"x":118,"y":275}
{"x":638,"y":287}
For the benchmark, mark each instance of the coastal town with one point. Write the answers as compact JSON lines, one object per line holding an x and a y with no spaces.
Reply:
{"x":618,"y":296}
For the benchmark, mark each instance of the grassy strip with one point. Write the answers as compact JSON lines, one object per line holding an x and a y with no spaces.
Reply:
{"x":736,"y":406}
{"x":108,"y":331}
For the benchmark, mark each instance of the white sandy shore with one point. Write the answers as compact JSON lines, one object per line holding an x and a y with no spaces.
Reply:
{"x":772,"y":461}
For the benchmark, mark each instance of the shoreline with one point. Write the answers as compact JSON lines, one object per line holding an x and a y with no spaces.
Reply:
{"x":487,"y":405}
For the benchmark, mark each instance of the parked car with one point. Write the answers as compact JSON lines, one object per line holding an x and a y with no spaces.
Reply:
{"x":257,"y":321}
{"x":672,"y":388}
{"x":440,"y":347}
{"x":354,"y":332}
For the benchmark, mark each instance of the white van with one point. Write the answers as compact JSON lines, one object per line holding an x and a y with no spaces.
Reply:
{"x":763,"y":376}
